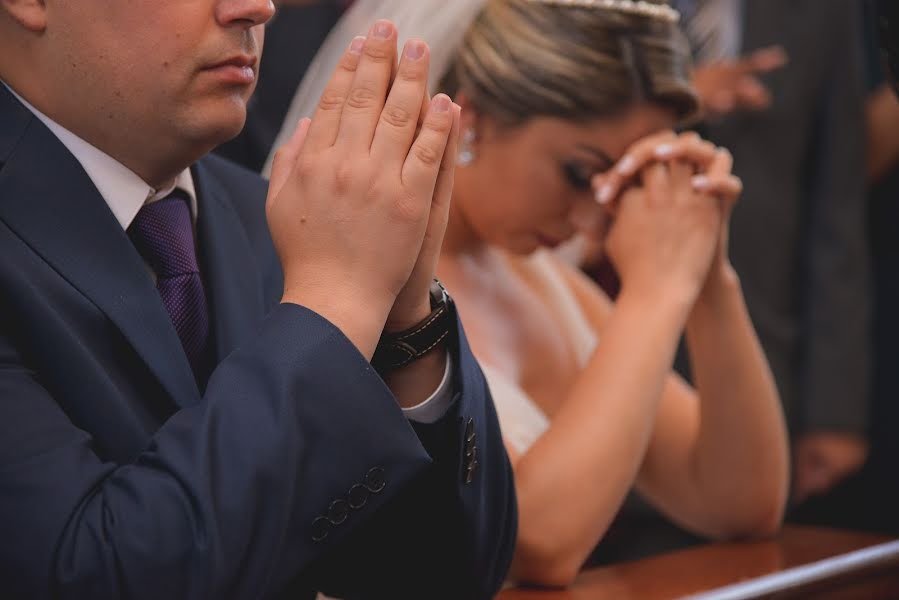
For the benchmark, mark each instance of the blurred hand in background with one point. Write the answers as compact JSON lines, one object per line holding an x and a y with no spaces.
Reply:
{"x":732,"y":85}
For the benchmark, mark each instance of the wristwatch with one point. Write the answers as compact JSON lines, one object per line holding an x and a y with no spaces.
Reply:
{"x":396,"y":350}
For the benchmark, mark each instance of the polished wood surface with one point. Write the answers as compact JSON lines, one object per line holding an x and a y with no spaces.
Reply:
{"x":800,"y":562}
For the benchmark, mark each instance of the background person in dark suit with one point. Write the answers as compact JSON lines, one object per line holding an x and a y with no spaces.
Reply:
{"x":180,"y":418}
{"x":868,"y":500}
{"x":799,"y":236}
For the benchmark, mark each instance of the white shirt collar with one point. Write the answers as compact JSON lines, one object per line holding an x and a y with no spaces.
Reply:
{"x":122,"y":189}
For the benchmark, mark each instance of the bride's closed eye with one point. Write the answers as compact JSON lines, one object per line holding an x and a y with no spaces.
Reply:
{"x":579,"y":175}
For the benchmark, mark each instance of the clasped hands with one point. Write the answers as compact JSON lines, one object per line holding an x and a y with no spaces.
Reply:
{"x":669,"y":201}
{"x":359,"y":196}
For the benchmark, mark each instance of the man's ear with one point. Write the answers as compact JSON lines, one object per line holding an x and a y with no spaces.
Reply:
{"x":30,"y":14}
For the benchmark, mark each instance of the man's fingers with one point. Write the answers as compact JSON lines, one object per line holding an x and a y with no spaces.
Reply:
{"x":425,"y":158}
{"x":443,"y":191}
{"x":751,"y":94}
{"x":326,"y":121}
{"x":286,"y":157}
{"x":811,"y":481}
{"x":721,"y":102}
{"x":768,"y":59}
{"x":763,"y":60}
{"x":401,"y":114}
{"x":365,"y":99}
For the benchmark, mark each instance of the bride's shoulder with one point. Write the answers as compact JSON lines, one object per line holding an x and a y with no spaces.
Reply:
{"x":591,"y":298}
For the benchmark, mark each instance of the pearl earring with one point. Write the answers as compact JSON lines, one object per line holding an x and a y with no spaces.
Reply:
{"x":467,"y":154}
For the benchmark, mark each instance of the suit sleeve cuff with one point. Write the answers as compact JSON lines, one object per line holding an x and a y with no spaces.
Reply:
{"x":437,"y":404}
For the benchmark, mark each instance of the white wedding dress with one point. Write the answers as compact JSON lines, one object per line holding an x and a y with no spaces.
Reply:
{"x":521,"y":420}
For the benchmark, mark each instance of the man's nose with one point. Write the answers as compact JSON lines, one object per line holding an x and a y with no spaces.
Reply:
{"x":246,"y":13}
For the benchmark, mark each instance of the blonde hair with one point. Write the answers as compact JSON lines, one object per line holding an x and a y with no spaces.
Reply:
{"x":522,"y":59}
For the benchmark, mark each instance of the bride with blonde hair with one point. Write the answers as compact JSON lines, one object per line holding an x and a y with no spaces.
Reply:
{"x":569,"y":116}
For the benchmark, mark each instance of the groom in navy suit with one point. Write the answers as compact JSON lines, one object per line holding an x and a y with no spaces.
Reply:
{"x":188,"y":406}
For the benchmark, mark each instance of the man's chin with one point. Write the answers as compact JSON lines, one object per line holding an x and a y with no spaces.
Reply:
{"x":212,"y":132}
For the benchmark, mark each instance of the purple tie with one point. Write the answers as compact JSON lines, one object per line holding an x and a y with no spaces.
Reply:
{"x":163,"y":234}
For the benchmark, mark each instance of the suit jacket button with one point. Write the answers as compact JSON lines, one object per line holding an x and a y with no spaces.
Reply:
{"x":338,"y":512}
{"x":471,"y":454}
{"x":472,"y":467}
{"x":358,"y":496}
{"x":376,"y":480}
{"x":320,"y":529}
{"x":469,"y":430}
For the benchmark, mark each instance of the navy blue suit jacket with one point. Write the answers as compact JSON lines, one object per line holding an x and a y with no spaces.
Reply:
{"x":293,"y":471}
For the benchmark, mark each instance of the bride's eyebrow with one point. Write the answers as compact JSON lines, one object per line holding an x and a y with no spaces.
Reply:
{"x":602,"y":156}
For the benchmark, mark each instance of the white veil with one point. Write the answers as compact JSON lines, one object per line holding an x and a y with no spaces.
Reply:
{"x":441,"y":23}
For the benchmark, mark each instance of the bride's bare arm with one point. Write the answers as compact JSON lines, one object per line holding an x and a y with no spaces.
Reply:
{"x":717,"y":465}
{"x":572,"y":481}
{"x":719,"y":461}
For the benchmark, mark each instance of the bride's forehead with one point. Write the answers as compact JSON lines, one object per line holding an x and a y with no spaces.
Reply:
{"x":613,"y":135}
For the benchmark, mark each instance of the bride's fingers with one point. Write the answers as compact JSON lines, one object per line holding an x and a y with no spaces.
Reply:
{"x":689,"y":147}
{"x":722,"y":164}
{"x":719,"y":179}
{"x":665,"y":147}
{"x":694,"y":150}
{"x":681,"y":174}
{"x":727,"y":187}
{"x":610,"y":184}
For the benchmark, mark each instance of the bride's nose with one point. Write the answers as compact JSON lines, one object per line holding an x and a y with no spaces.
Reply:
{"x":587,"y":216}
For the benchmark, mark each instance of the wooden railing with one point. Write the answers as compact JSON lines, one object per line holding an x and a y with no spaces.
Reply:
{"x":801,"y":562}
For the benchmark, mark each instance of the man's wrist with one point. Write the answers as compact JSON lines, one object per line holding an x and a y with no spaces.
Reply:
{"x":401,"y":319}
{"x":359,"y":318}
{"x":427,"y":333}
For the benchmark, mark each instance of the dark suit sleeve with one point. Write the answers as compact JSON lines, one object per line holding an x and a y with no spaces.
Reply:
{"x":836,"y":357}
{"x":462,"y":530}
{"x":297,"y":440}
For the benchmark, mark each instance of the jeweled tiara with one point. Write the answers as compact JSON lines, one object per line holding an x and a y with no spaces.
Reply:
{"x":642,"y":8}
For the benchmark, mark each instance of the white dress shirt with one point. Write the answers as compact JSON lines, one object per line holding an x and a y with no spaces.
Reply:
{"x":126,"y":193}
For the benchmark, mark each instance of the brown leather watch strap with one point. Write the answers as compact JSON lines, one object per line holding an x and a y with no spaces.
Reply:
{"x":397,"y":350}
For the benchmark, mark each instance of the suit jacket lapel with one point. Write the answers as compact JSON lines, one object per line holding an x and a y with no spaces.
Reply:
{"x":59,"y":213}
{"x":232,"y":278}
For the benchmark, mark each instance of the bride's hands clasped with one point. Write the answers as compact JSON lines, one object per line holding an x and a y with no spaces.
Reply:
{"x":671,"y":197}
